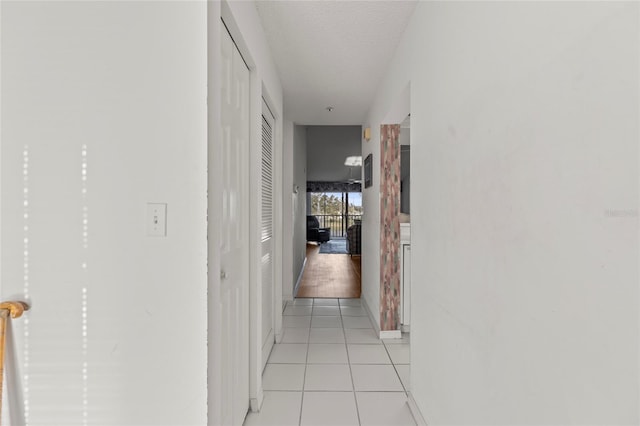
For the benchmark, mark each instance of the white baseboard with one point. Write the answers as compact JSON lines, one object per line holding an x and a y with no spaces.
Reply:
{"x":295,"y":289}
{"x":391,"y":334}
{"x":256,"y":403}
{"x":375,"y":321}
{"x":415,"y":411}
{"x":383,"y":334}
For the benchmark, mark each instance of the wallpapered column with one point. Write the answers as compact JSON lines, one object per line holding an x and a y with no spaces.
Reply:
{"x":389,"y":227}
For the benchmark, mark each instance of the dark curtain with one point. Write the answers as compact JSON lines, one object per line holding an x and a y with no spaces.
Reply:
{"x":334,"y":186}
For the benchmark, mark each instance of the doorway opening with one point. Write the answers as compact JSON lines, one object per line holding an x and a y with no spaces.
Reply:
{"x":337,"y":211}
{"x":333,"y":267}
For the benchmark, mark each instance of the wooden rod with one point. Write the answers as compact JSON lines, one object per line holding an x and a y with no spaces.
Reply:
{"x":13,"y":310}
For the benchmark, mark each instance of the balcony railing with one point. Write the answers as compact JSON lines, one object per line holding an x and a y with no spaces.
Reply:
{"x":338,"y":223}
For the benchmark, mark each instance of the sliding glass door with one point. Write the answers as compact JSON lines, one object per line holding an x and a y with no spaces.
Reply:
{"x":337,"y":210}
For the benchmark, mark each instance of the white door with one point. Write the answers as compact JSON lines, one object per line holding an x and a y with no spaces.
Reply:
{"x":267,"y":246}
{"x":234,"y":242}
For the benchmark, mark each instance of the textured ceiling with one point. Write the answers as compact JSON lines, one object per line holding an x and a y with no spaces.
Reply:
{"x":332,"y":53}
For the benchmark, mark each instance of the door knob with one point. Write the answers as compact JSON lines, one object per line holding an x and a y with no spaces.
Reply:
{"x":223,"y":275}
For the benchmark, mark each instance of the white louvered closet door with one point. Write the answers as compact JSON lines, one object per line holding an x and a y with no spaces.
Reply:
{"x":267,"y":246}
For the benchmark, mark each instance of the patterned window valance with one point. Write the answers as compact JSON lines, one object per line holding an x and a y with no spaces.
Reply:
{"x":334,"y":186}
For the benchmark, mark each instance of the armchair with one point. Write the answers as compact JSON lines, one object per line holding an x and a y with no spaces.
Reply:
{"x":353,"y":239}
{"x":315,"y":233}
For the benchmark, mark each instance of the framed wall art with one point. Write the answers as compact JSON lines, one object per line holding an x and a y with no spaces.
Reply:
{"x":368,"y":171}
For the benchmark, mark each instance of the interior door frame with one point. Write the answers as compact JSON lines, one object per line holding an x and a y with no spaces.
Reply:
{"x":259,"y":95}
{"x":278,"y":216}
{"x":258,"y":92}
{"x":277,"y":232}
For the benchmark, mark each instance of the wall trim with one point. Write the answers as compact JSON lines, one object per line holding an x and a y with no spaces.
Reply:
{"x":382,"y":334}
{"x":372,"y":318}
{"x":295,"y":289}
{"x":391,"y":334}
{"x":415,"y":411}
{"x":256,"y":403}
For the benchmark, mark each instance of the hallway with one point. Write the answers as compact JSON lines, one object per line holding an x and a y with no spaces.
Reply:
{"x":159,"y":154}
{"x":330,"y":275}
{"x":331,"y":369}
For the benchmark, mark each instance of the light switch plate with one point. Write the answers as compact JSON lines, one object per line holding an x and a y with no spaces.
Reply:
{"x":157,"y":219}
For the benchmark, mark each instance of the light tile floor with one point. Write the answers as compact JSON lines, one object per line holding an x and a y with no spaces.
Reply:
{"x":331,"y":369}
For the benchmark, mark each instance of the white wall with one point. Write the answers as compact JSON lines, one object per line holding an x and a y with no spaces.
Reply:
{"x":294,"y":205}
{"x":288,"y":202}
{"x":370,"y":281}
{"x":128,"y":81}
{"x":394,"y":92}
{"x":524,"y":124}
{"x":327,"y":148}
{"x":300,"y":200}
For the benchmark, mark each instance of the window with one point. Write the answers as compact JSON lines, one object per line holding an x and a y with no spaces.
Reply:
{"x":337,"y":210}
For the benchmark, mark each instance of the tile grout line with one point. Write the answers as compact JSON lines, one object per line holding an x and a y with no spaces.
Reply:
{"x":346,"y":344}
{"x":346,"y":347}
{"x":395,"y":368}
{"x":306,"y":363}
